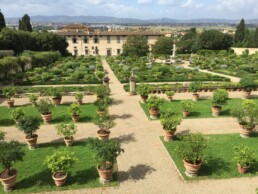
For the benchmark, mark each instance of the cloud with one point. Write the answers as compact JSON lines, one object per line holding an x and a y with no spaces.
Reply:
{"x":192,"y":4}
{"x":168,"y":2}
{"x":144,"y":2}
{"x":240,"y":6}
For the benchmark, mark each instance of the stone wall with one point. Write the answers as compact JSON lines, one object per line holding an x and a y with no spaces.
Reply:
{"x":239,"y":51}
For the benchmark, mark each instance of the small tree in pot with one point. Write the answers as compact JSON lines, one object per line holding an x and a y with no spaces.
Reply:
{"x":154,"y":103}
{"x":101,"y":92}
{"x":57,"y":94}
{"x":187,"y":106}
{"x":220,"y":98}
{"x":169,"y":120}
{"x":194,"y":87}
{"x":191,"y":150}
{"x":170,"y":95}
{"x":106,"y":152}
{"x":33,"y":98}
{"x":59,"y":163}
{"x":247,"y":117}
{"x":248,"y":84}
{"x":105,"y":123}
{"x":10,"y":152}
{"x":16,"y":114}
{"x":102,"y":107}
{"x":29,"y":125}
{"x":9,"y":93}
{"x":79,"y":97}
{"x":144,"y":90}
{"x":45,"y":107}
{"x":67,"y":130}
{"x":74,"y":111}
{"x":244,"y":157}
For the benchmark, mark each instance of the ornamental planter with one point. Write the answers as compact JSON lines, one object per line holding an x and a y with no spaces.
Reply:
{"x":246,"y":94}
{"x":169,"y":134}
{"x":10,"y":103}
{"x":56,"y":101}
{"x":104,"y":174}
{"x":191,"y":169}
{"x":68,"y":142}
{"x":103,"y":134}
{"x":47,"y":117}
{"x":144,"y":98}
{"x":59,"y":178}
{"x":75,"y":118}
{"x":245,"y":131}
{"x":186,"y":113}
{"x":195,"y":97}
{"x":8,"y":181}
{"x":242,"y":170}
{"x":154,"y":113}
{"x":216,"y":110}
{"x":32,"y":141}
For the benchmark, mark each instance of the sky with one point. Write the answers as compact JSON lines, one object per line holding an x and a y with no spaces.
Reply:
{"x":139,"y":9}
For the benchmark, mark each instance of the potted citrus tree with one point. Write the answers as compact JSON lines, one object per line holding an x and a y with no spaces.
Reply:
{"x":67,"y":130}
{"x":104,"y":123}
{"x":248,"y":84}
{"x":45,"y":107}
{"x":9,"y":93}
{"x":247,"y":117}
{"x":187,"y":106}
{"x":16,"y":114}
{"x":74,"y":111}
{"x":56,"y":94}
{"x":11,"y":152}
{"x":59,"y":163}
{"x":106,"y":152}
{"x":144,"y":90}
{"x":33,"y":99}
{"x":79,"y":97}
{"x":170,"y":95}
{"x":101,"y":92}
{"x":244,"y":156}
{"x":220,"y":98}
{"x":102,"y":107}
{"x":191,"y":150}
{"x":169,"y":120}
{"x":194,"y":87}
{"x":29,"y":125}
{"x":154,"y":103}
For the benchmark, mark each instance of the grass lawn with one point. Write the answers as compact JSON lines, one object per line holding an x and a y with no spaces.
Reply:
{"x":34,"y":176}
{"x":202,"y":108}
{"x":219,"y":157}
{"x":88,"y":113}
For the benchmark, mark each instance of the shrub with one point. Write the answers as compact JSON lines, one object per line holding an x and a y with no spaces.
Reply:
{"x":244,"y":156}
{"x":79,"y":96}
{"x":155,"y":102}
{"x":45,"y":106}
{"x":101,"y":91}
{"x":195,"y":86}
{"x":74,"y":109}
{"x":248,"y":83}
{"x":144,"y":89}
{"x":170,"y":120}
{"x":16,"y":114}
{"x":104,"y":123}
{"x":29,"y":125}
{"x":170,"y":93}
{"x":33,"y":98}
{"x":66,"y":129}
{"x":187,"y":105}
{"x":9,"y":92}
{"x":220,"y":97}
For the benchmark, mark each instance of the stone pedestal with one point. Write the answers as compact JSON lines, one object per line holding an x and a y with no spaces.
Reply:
{"x":132,"y":84}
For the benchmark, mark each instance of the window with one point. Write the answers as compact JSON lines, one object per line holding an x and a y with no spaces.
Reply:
{"x":74,"y":40}
{"x":96,"y":50}
{"x":118,"y":39}
{"x":96,"y":40}
{"x":108,"y":39}
{"x":75,"y":52}
{"x":85,"y":40}
{"x":86,"y":52}
{"x":118,"y":51}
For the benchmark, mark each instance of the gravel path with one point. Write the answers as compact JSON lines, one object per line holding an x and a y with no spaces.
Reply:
{"x":145,"y":167}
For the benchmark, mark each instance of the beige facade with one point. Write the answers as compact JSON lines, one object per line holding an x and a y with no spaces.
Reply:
{"x":83,"y":41}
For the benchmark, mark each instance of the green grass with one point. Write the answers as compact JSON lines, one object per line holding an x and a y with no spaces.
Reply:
{"x":219,"y":157}
{"x":88,"y":113}
{"x":34,"y":176}
{"x":202,"y":108}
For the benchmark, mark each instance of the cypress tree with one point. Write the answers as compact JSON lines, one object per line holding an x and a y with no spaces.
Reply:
{"x":24,"y":23}
{"x":2,"y":21}
{"x":240,"y":32}
{"x":255,"y":39}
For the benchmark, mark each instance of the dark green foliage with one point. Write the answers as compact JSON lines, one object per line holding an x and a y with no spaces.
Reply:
{"x":24,"y":23}
{"x":188,"y":42}
{"x":136,"y":46}
{"x":255,"y":38}
{"x":240,"y":32}
{"x":163,"y":46}
{"x":248,"y":83}
{"x":29,"y":125}
{"x":2,"y":21}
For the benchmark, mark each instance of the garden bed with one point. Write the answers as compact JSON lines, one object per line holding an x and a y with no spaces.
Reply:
{"x":219,"y":161}
{"x":34,"y":176}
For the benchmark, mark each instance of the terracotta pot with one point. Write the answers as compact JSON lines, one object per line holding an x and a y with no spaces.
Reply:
{"x":47,"y":118}
{"x":56,"y":101}
{"x":103,"y":136}
{"x":79,"y":102}
{"x":246,"y":94}
{"x":242,"y":170}
{"x":170,"y":98}
{"x":196,"y":97}
{"x":59,"y":180}
{"x":105,"y":175}
{"x":245,"y":131}
{"x":191,"y":169}
{"x":154,"y":113}
{"x":186,"y":113}
{"x":144,"y":98}
{"x":169,"y":134}
{"x":32,"y":141}
{"x":215,"y":110}
{"x":8,"y":181}
{"x":75,"y":118}
{"x":10,"y":103}
{"x":68,"y":142}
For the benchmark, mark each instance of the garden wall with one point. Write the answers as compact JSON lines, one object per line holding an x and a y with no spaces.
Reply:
{"x":239,"y":51}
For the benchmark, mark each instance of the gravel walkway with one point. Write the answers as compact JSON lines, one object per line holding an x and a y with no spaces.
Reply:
{"x":145,"y":167}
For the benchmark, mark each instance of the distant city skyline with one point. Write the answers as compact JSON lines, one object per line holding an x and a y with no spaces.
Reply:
{"x":138,"y":9}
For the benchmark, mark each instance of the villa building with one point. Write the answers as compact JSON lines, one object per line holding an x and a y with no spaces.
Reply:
{"x":83,"y":40}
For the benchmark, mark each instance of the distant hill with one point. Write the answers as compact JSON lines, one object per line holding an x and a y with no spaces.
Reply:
{"x":107,"y":19}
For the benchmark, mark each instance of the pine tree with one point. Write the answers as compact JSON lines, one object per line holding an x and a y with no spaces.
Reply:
{"x":2,"y":21}
{"x":24,"y":23}
{"x":240,"y":32}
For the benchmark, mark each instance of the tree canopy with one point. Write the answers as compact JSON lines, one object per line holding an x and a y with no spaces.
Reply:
{"x":240,"y":32}
{"x":2,"y":21}
{"x":24,"y":23}
{"x":163,"y":46}
{"x":136,"y":46}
